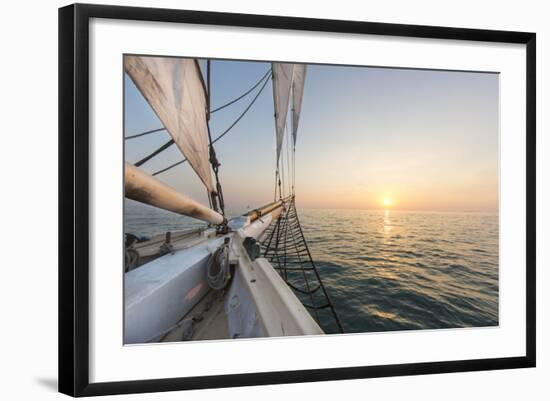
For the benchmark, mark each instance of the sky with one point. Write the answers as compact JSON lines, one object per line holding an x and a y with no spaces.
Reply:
{"x":369,"y":138}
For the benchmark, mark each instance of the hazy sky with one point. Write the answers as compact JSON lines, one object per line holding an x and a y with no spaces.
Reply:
{"x":423,"y":140}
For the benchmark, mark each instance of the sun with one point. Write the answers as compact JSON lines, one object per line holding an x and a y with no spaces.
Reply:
{"x":387,"y":202}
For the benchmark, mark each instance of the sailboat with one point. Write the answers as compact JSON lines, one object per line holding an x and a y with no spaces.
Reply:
{"x":243,"y":276}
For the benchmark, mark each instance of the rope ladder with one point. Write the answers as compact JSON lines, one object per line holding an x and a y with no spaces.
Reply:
{"x":284,"y":245}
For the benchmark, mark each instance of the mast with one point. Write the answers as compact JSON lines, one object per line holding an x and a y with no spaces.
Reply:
{"x":215,"y":196}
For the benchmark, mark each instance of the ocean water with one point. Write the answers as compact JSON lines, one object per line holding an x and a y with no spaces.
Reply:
{"x":146,"y":221}
{"x":389,"y":270}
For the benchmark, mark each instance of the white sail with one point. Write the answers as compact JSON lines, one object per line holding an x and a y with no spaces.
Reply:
{"x":298,"y":81}
{"x":175,"y":90}
{"x":282,"y":81}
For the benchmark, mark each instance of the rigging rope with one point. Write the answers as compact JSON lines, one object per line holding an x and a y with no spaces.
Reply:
{"x":213,"y":111}
{"x":244,"y":94}
{"x":285,"y":246}
{"x":145,"y":133}
{"x":283,"y":172}
{"x":156,"y":152}
{"x":223,"y":133}
{"x":217,"y":194}
{"x":293,"y":169}
{"x":276,"y":177}
{"x":288,"y":163}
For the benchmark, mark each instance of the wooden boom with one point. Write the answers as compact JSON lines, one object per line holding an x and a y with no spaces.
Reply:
{"x":142,"y":187}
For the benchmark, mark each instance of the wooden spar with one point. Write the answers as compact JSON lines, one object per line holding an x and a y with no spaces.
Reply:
{"x":259,"y":212}
{"x":142,"y":187}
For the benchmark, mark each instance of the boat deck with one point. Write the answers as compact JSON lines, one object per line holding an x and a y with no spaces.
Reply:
{"x":206,"y":321}
{"x":170,"y":298}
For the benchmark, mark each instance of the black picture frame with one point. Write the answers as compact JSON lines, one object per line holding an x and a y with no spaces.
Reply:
{"x":74,"y":198}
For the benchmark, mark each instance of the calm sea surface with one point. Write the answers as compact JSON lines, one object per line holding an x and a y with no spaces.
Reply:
{"x":389,"y":270}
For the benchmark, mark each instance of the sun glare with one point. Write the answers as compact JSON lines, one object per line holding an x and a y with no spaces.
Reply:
{"x":387,"y":202}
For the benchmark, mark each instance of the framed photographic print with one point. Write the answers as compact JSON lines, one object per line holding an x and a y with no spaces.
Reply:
{"x":250,"y":199}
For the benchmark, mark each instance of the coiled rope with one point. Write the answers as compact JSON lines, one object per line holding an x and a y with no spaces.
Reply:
{"x":217,"y":269}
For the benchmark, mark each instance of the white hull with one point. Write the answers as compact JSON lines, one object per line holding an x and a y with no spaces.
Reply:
{"x":258,"y":303}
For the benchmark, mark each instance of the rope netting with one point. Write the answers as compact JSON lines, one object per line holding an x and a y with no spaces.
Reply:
{"x":284,"y":245}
